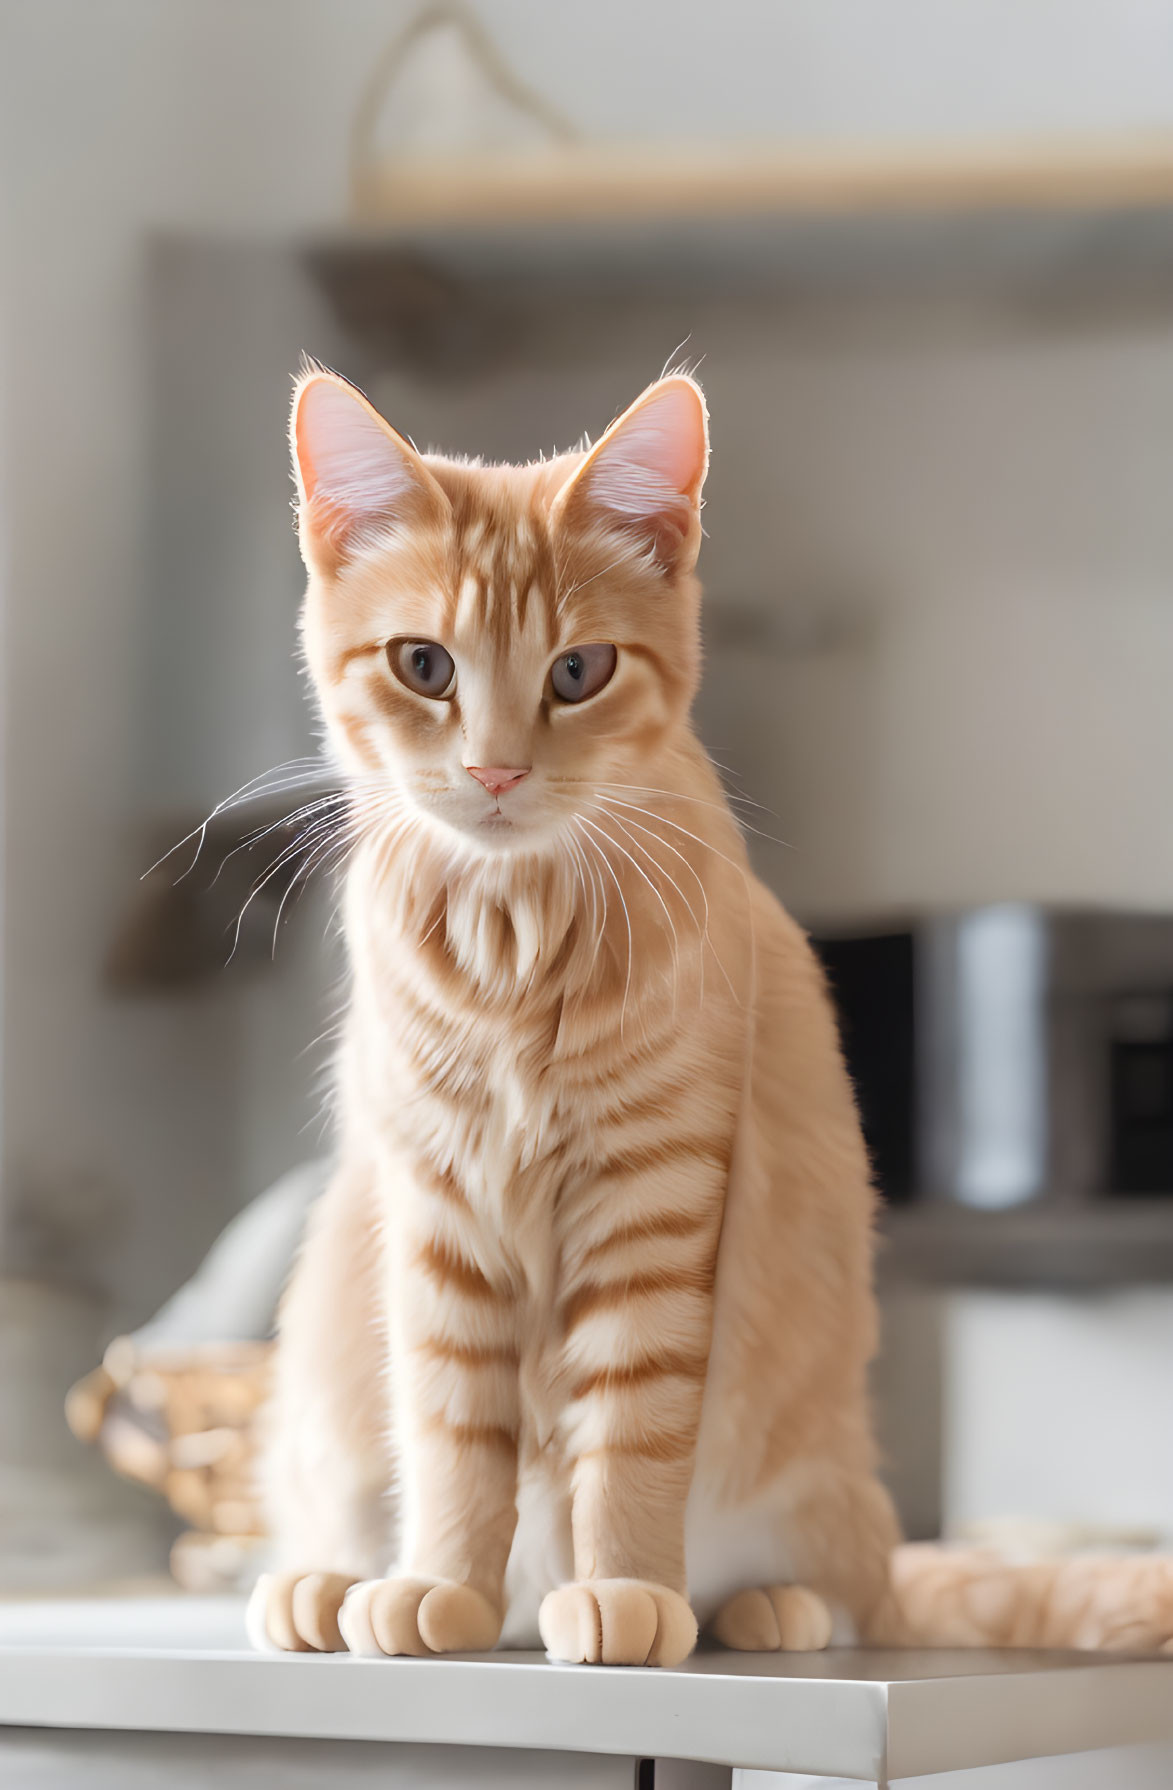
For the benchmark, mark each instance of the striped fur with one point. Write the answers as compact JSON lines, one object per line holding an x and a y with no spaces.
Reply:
{"x":581,"y":1328}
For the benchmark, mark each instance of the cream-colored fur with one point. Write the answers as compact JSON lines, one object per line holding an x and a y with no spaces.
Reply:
{"x":581,"y":1328}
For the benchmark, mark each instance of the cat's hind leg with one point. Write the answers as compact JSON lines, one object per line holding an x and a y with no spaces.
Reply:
{"x":326,"y":1463}
{"x":774,"y":1619}
{"x":803,"y":1571}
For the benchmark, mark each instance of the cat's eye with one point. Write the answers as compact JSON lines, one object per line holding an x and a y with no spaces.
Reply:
{"x":583,"y":671}
{"x":424,"y":666}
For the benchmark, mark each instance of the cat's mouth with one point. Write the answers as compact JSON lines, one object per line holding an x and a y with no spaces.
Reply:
{"x":502,"y":825}
{"x":499,"y":831}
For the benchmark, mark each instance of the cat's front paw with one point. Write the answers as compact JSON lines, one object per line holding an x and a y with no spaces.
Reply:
{"x":617,"y":1622}
{"x":297,"y":1612}
{"x":417,"y":1616}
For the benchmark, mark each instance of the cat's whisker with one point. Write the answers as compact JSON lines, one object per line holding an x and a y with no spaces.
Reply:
{"x":327,"y":1034}
{"x":706,"y":932}
{"x":254,"y":790}
{"x":579,"y":887}
{"x":603,"y":833}
{"x":597,"y":922}
{"x":598,"y":908}
{"x":610,"y":869}
{"x":262,"y":883}
{"x":316,"y":859}
{"x":733,"y":790}
{"x":591,"y":786}
{"x":575,"y":856}
{"x":286,"y":820}
{"x":662,"y":870}
{"x":592,"y":854}
{"x":612,"y":806}
{"x":660,"y":898}
{"x":643,"y":789}
{"x":652,"y":814}
{"x":391,"y":823}
{"x":313,"y":833}
{"x":341,"y":850}
{"x":655,"y":862}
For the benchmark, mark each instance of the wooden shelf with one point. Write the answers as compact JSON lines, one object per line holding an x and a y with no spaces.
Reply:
{"x":459,"y":264}
{"x":641,"y":180}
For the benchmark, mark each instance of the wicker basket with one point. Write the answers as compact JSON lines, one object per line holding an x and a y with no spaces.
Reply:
{"x":185,"y":1423}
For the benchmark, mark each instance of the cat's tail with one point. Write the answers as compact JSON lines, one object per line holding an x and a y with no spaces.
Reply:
{"x":942,"y":1596}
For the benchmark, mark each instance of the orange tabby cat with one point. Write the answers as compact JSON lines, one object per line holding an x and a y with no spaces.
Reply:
{"x":577,"y":1345}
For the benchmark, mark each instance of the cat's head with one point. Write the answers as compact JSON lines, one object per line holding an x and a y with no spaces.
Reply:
{"x":495,"y":644}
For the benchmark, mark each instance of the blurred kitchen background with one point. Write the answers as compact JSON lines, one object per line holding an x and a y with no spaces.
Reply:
{"x":923,"y":257}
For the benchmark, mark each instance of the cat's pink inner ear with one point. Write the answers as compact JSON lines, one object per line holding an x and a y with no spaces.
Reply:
{"x":355,"y":476}
{"x":646,"y":474}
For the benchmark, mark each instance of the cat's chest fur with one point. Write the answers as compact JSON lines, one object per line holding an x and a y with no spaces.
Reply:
{"x":467,"y":1069}
{"x":528,"y":1083}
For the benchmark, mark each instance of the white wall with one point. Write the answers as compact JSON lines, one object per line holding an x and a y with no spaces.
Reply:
{"x":979,"y":518}
{"x":115,"y":120}
{"x":1060,"y":1409}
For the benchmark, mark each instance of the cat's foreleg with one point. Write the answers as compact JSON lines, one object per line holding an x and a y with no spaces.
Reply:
{"x":325,"y":1465}
{"x":454,"y":1361}
{"x":638,"y":1323}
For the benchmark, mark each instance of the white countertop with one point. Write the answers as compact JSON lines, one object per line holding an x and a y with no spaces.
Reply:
{"x":182,"y":1665}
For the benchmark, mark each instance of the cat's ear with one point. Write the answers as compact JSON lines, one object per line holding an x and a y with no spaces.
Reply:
{"x":644,"y":477}
{"x":356,"y":478}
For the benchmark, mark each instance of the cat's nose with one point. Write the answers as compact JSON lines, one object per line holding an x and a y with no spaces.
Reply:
{"x":496,"y":780}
